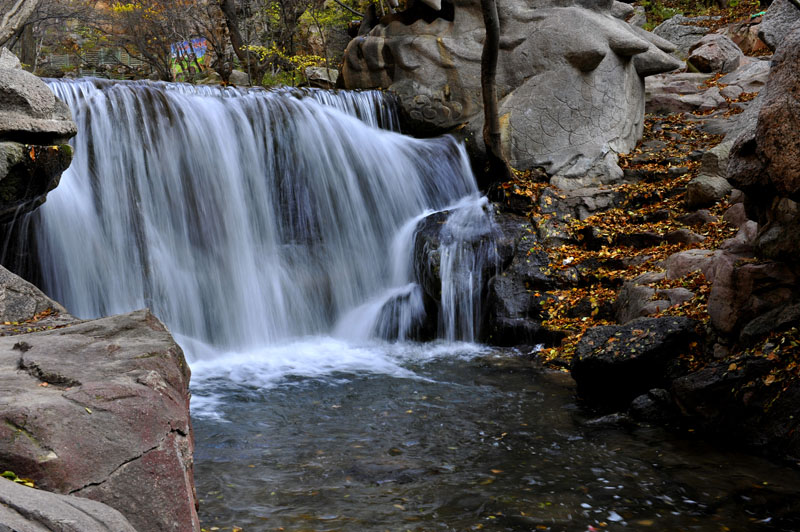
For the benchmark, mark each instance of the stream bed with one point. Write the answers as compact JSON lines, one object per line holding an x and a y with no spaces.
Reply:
{"x":454,"y":438}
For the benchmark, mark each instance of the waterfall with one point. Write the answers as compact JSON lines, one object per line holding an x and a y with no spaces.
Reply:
{"x":244,"y":218}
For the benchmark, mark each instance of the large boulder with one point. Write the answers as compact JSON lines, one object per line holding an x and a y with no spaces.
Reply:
{"x":569,"y":79}
{"x":744,"y":401}
{"x":100,"y":409}
{"x":744,"y":290}
{"x":778,"y":22}
{"x":617,"y":363}
{"x":34,"y":129}
{"x":683,"y":32}
{"x":763,"y":160}
{"x":715,"y":53}
{"x":26,"y":509}
{"x":29,"y":111}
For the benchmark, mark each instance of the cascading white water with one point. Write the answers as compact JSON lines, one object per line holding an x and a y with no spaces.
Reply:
{"x":243,"y":218}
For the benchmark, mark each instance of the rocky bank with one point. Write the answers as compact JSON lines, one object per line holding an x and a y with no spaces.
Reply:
{"x":95,"y":414}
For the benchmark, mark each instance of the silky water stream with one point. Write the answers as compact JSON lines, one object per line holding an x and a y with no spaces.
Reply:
{"x":273,"y":232}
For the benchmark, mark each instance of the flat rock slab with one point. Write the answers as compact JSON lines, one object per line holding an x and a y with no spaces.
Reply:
{"x":26,"y":509}
{"x":99,"y":409}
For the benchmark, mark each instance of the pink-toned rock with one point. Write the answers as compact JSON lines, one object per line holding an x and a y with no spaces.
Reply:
{"x":715,"y":53}
{"x":735,"y":216}
{"x":685,"y":262}
{"x":776,"y":133}
{"x":110,"y":424}
{"x":743,"y":291}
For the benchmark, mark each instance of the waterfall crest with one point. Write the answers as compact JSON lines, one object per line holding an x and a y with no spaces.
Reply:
{"x":242,"y":217}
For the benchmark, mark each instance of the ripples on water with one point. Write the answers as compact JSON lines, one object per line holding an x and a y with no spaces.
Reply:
{"x":450,"y":438}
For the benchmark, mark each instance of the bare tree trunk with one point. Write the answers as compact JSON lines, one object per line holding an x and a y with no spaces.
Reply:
{"x":14,"y":18}
{"x":498,"y":169}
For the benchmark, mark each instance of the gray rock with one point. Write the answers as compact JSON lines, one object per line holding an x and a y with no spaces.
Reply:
{"x":680,"y":31}
{"x":735,"y":216}
{"x":778,"y":22}
{"x":8,"y":60}
{"x":239,"y":78}
{"x":776,"y":320}
{"x":683,"y":263}
{"x":111,"y":425}
{"x":715,"y":53}
{"x":655,"y":405}
{"x":637,"y":300}
{"x":705,"y":190}
{"x":715,"y":160}
{"x":638,"y":18}
{"x":29,"y":112}
{"x":559,"y":64}
{"x":743,"y":291}
{"x":26,"y":509}
{"x":29,"y":115}
{"x":751,"y":76}
{"x":20,"y":300}
{"x":681,"y":92}
{"x":324,"y":78}
{"x":739,"y":405}
{"x":614,"y":364}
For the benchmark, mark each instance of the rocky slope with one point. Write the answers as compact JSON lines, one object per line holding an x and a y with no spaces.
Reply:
{"x":677,"y":291}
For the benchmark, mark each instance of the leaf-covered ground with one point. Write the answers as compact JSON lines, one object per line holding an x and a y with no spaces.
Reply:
{"x":654,"y":205}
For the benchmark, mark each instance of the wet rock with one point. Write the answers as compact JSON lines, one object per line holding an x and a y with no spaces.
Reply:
{"x":705,"y":190}
{"x":776,"y":320}
{"x":715,"y":53}
{"x":656,"y":406}
{"x":27,"y":174}
{"x":683,"y":263}
{"x":778,"y":22}
{"x":111,"y":425}
{"x":26,"y":509}
{"x":737,"y":402}
{"x":615,"y":364}
{"x":512,"y":332}
{"x":683,"y":32}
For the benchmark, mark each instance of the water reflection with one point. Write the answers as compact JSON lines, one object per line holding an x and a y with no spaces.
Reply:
{"x":486,"y":444}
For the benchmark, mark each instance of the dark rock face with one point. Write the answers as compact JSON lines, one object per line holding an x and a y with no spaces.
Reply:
{"x":737,"y":400}
{"x":112,"y":422}
{"x":764,"y":158}
{"x":615,"y":364}
{"x":34,"y":129}
{"x":28,"y":509}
